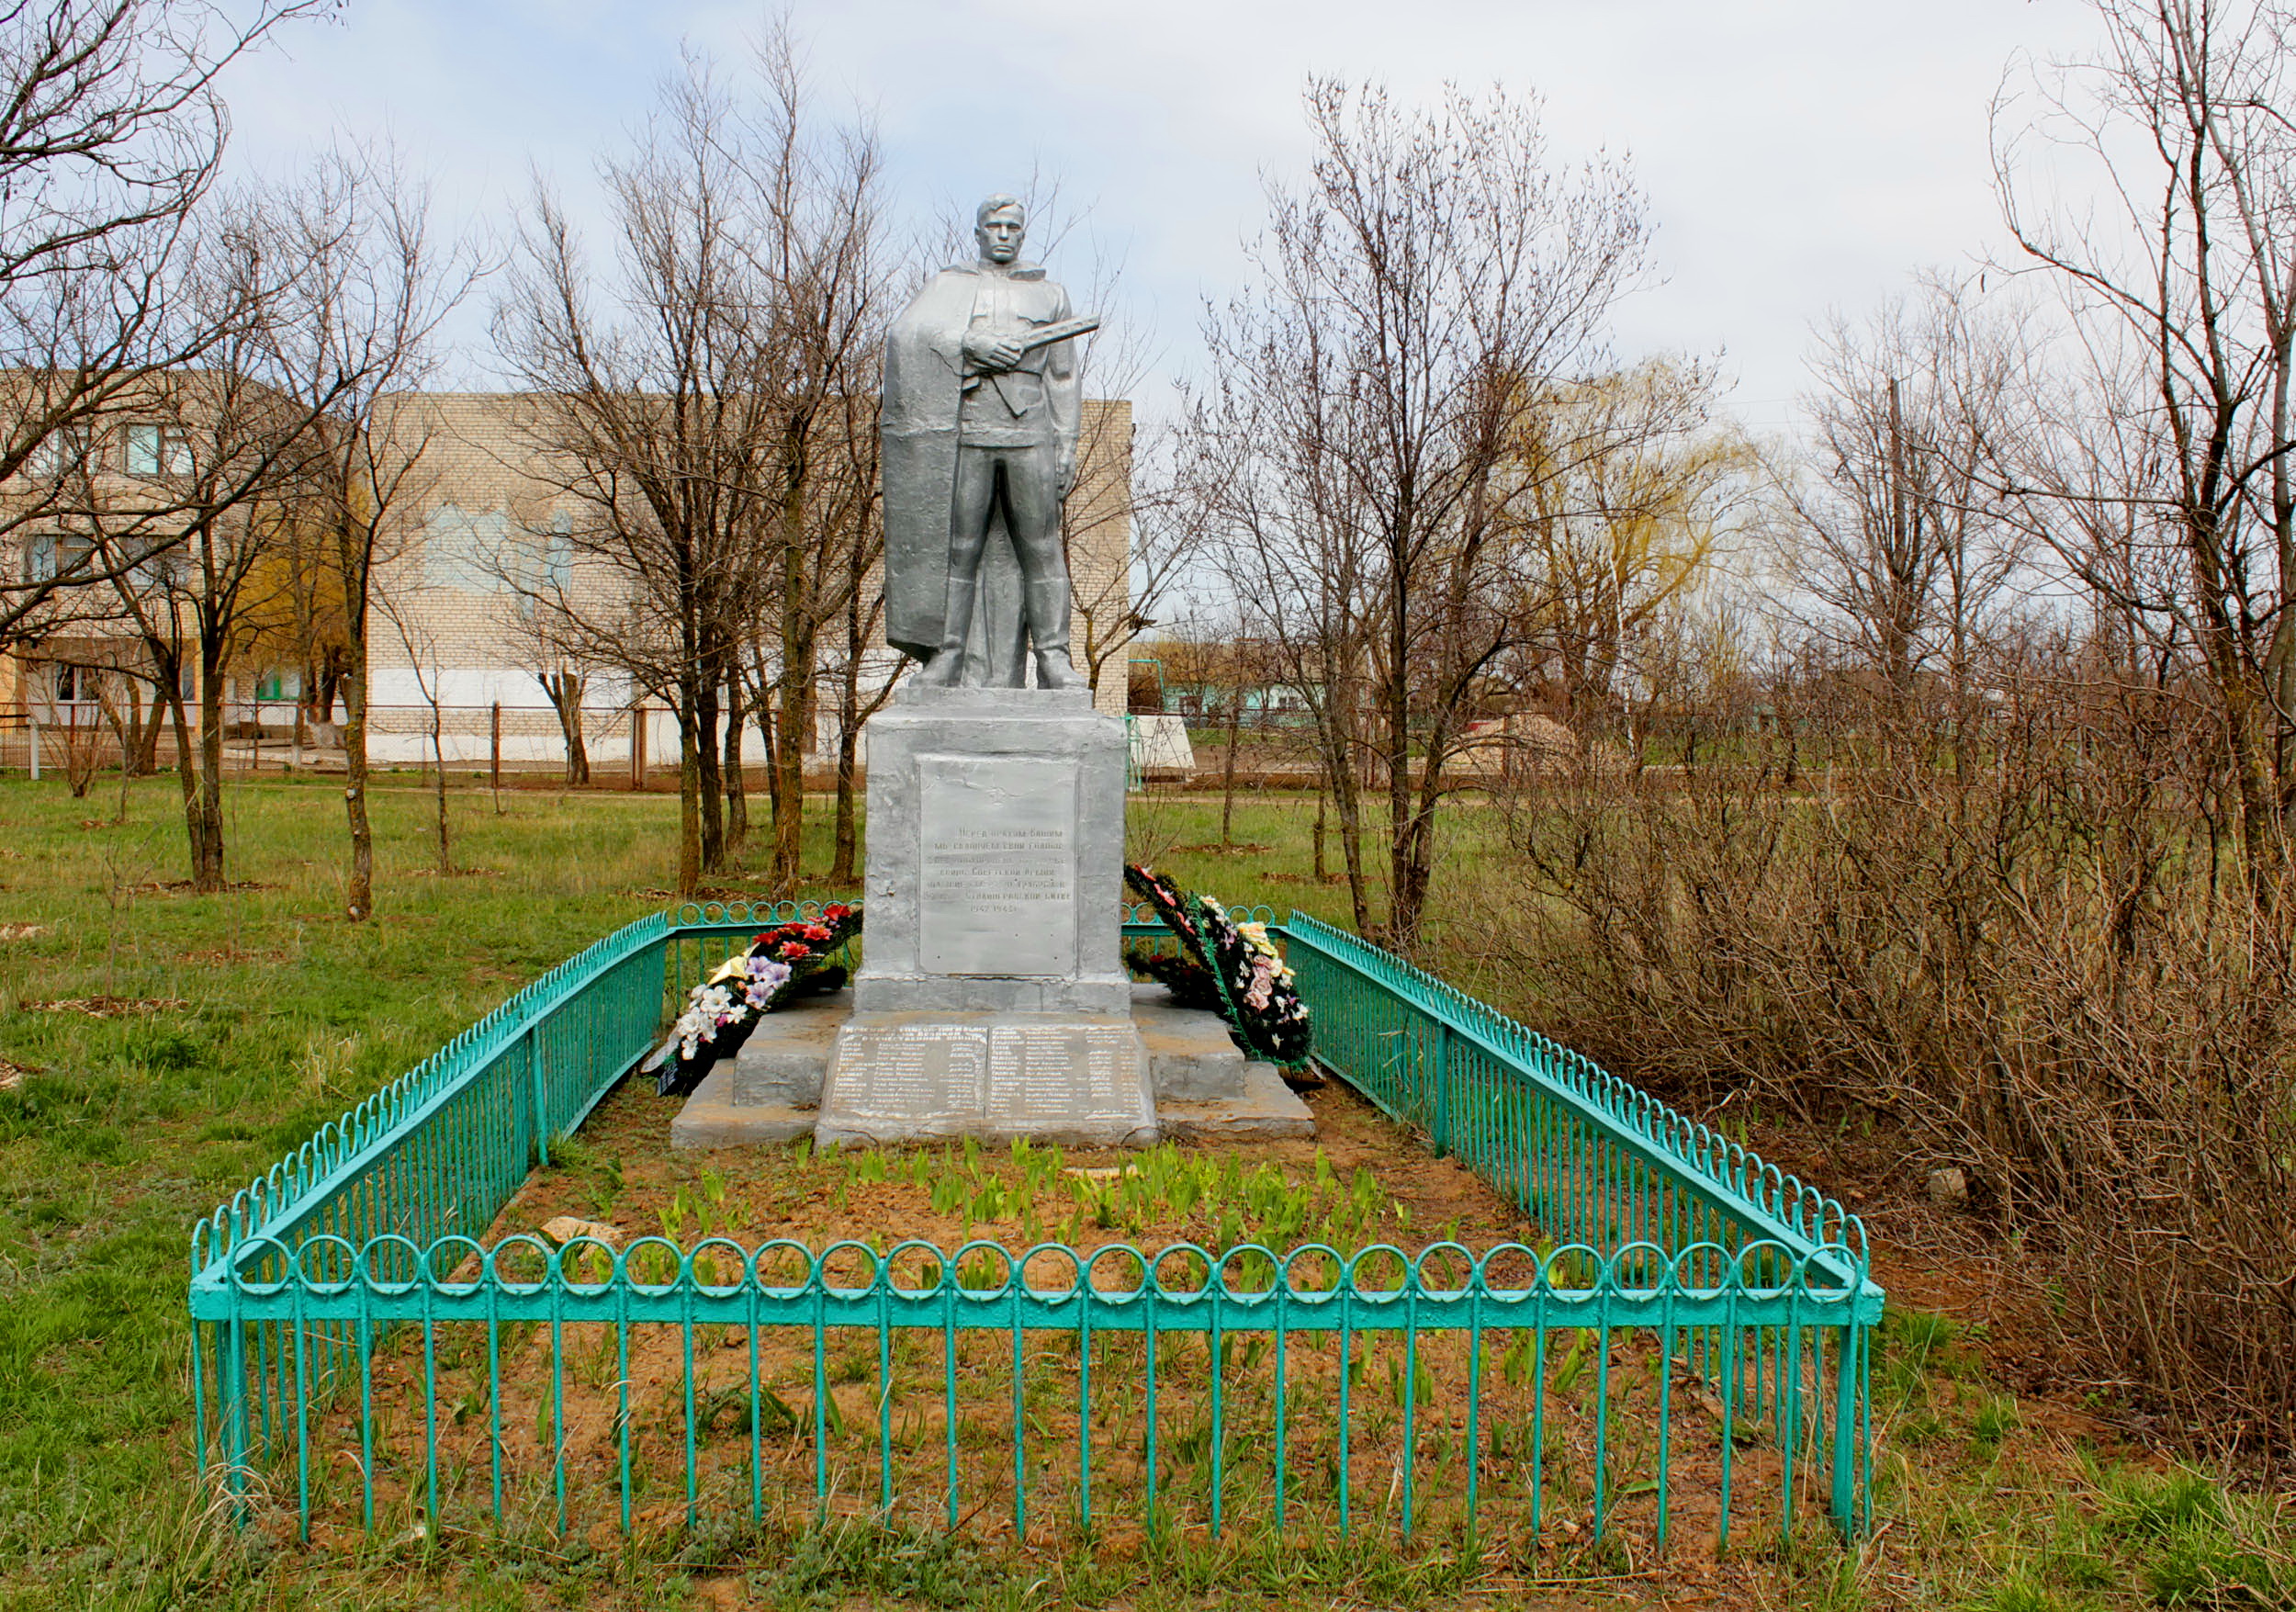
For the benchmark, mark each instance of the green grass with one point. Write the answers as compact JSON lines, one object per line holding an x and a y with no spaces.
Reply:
{"x":129,"y":1127}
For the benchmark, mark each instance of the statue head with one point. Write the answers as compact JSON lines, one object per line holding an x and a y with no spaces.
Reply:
{"x":999,"y":224}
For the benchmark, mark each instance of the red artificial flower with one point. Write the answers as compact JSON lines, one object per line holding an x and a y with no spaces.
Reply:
{"x":815,"y":933}
{"x":791,"y":951}
{"x":836,"y":912}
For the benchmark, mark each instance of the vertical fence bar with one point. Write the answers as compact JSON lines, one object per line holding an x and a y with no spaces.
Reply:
{"x":1439,"y":1129}
{"x":539,"y":1087}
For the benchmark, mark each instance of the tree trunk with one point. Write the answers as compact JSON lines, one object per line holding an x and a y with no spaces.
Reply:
{"x":205,"y":806}
{"x":144,"y":726}
{"x":1341,"y":777}
{"x":1403,"y":913}
{"x":699,"y":748}
{"x":438,"y":755}
{"x":358,"y":897}
{"x":800,"y":647}
{"x":737,"y":786}
{"x":1227,"y":769}
{"x":566,"y":690}
{"x":788,"y":820}
{"x":689,"y":797}
{"x":186,"y":764}
{"x":841,"y":868}
{"x":1348,"y":797}
{"x":769,"y":735}
{"x":576,"y":742}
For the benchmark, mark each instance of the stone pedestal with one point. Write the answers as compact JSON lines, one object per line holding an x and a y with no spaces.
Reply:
{"x":996,"y":855}
{"x":992,"y":1000}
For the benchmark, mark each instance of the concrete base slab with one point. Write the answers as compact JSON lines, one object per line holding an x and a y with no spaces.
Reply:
{"x":1265,"y":1110}
{"x":1194,"y":1084}
{"x":1066,"y":1078}
{"x":710,"y":1117}
{"x":1191,"y":1057}
{"x":787,"y":1054}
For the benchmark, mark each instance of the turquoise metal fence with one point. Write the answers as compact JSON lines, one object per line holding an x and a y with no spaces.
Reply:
{"x":1691,"y":1324}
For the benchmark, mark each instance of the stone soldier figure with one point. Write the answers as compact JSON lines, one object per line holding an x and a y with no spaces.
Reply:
{"x":983,"y":402}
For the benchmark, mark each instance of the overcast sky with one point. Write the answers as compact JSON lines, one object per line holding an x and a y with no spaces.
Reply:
{"x":1799,"y":155}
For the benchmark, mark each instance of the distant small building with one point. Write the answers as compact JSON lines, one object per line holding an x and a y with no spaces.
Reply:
{"x":1522,"y":745}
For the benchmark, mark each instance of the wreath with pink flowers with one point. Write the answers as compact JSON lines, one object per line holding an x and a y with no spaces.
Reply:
{"x":1230,"y":968}
{"x":786,"y":962}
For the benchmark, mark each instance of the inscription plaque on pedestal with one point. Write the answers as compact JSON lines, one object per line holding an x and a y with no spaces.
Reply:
{"x":1075,"y":1080}
{"x":997,"y":865}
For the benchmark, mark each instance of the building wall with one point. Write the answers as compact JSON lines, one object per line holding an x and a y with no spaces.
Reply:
{"x":448,"y":626}
{"x":483,"y":504}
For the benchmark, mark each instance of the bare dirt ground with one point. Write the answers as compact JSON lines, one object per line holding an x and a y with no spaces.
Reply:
{"x":774,"y":1423}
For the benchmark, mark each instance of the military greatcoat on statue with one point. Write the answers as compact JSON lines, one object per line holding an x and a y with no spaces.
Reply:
{"x":933,"y":401}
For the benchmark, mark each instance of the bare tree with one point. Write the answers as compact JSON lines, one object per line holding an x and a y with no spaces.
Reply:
{"x":1412,"y":303}
{"x":858,"y":510}
{"x":422,"y":647}
{"x":822,"y":252}
{"x":218,"y":450}
{"x":695,"y":430}
{"x":660,"y":424}
{"x":1629,"y":488}
{"x":1896,"y":528}
{"x":2181,"y":291}
{"x":111,"y":132}
{"x":349,"y":336}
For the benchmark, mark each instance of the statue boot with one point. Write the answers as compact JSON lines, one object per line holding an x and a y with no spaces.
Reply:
{"x":1047,"y":630}
{"x":946,"y":668}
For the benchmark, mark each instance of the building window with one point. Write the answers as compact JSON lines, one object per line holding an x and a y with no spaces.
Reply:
{"x":62,"y":450}
{"x":158,"y":450}
{"x":48,"y":555}
{"x":280,"y":685}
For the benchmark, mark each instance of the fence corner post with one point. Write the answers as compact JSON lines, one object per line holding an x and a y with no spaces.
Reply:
{"x":1849,"y":1443}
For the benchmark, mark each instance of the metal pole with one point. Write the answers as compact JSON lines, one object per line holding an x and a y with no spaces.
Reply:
{"x":34,"y":718}
{"x":637,"y":747}
{"x":495,"y":753}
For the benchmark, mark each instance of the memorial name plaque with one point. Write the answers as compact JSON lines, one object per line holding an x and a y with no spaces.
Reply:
{"x":1074,"y":1079}
{"x":996,"y":869}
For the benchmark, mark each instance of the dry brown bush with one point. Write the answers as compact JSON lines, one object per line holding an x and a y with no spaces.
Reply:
{"x":2039,"y":948}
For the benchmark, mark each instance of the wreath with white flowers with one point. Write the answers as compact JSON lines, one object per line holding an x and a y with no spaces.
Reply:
{"x":1232,"y":969}
{"x":785,"y":962}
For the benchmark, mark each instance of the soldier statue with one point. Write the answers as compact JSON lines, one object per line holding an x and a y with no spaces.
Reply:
{"x":982,"y":403}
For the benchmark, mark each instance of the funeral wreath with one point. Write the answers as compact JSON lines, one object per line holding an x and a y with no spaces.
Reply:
{"x":786,"y":962}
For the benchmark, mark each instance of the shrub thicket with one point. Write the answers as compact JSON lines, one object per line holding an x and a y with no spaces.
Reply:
{"x":2022,"y":925}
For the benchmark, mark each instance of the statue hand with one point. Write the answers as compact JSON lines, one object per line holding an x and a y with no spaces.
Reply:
{"x":990,"y":351}
{"x":1064,"y":476}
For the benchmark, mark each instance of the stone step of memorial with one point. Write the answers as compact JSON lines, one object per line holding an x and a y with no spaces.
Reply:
{"x":1199,"y":1086}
